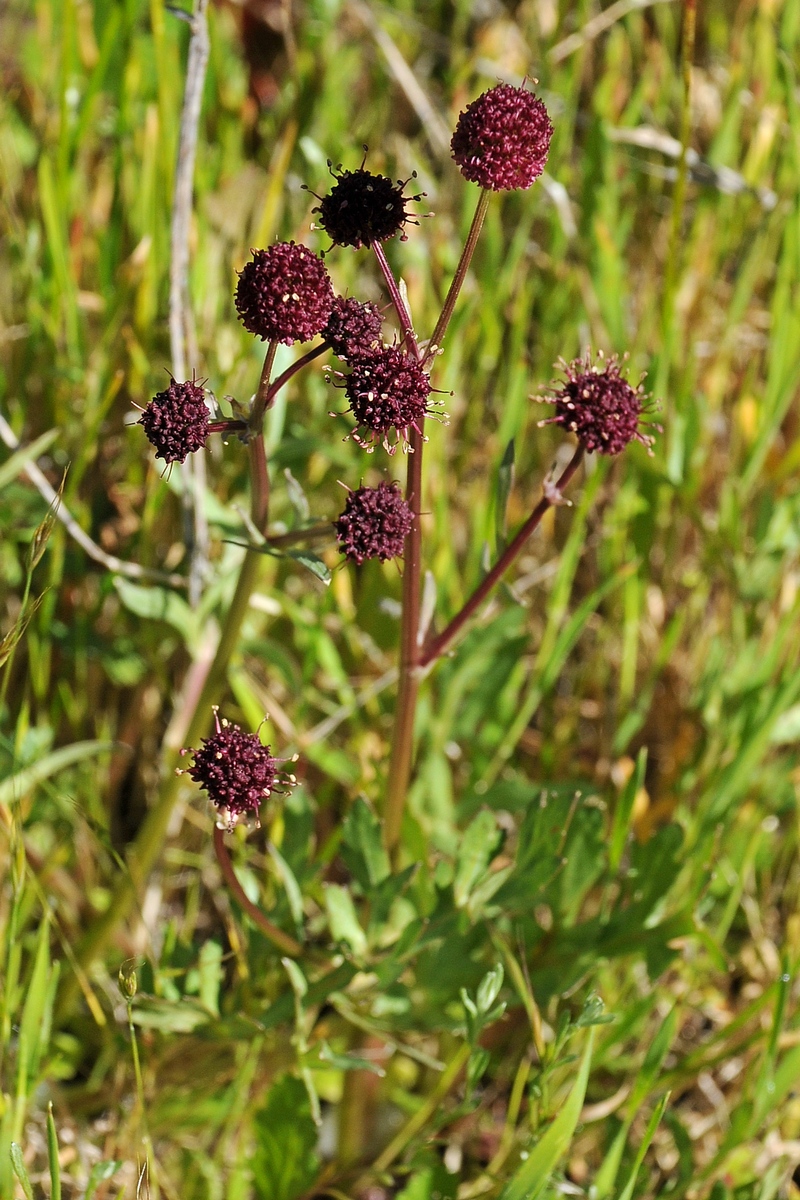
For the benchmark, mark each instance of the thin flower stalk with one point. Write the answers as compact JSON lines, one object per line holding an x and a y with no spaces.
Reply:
{"x":284,"y":942}
{"x":437,"y":646}
{"x":435,"y":344}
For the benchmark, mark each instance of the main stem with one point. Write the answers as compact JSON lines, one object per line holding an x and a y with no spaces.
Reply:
{"x":408,"y":689}
{"x":438,"y":645}
{"x":145,"y":851}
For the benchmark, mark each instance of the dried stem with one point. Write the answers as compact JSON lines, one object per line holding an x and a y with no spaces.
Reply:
{"x":181,"y":329}
{"x":282,"y":940}
{"x":144,"y":853}
{"x":63,"y":514}
{"x":437,"y":646}
{"x":461,"y":273}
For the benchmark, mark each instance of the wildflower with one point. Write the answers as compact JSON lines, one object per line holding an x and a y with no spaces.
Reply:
{"x":353,"y":329}
{"x":176,"y":420}
{"x":598,"y":405}
{"x":374,"y":524}
{"x":362,"y":208}
{"x":501,"y":139}
{"x":387,"y":390}
{"x":235,"y":768}
{"x":284,"y":294}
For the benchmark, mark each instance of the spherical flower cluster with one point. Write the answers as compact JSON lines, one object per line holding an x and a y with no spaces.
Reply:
{"x":598,"y":405}
{"x":284,"y":294}
{"x":501,"y":139}
{"x":374,"y":524}
{"x":236,"y":770}
{"x":176,"y":420}
{"x":362,"y":208}
{"x":388,"y":390}
{"x":353,"y":329}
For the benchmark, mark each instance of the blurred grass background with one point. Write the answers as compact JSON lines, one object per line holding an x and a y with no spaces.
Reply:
{"x":659,"y":613}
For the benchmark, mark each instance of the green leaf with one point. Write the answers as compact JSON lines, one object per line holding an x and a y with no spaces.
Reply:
{"x":505,"y":481}
{"x":19,"y":460}
{"x":210,"y":974}
{"x":623,"y":810}
{"x":649,"y":1133}
{"x":343,"y":920}
{"x":311,"y":563}
{"x":347,"y":1062}
{"x":532,"y":1177}
{"x":362,"y":846}
{"x":293,"y":893}
{"x":157,"y":604}
{"x":170,"y":1016}
{"x":284,"y":1162}
{"x":20,"y":1171}
{"x":24,"y":781}
{"x":477,"y":847}
{"x":99,"y":1173}
{"x":52,"y":1156}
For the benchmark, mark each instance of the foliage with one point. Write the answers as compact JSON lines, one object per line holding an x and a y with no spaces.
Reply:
{"x":595,"y":904}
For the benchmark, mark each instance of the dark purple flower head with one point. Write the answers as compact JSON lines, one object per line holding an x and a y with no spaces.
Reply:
{"x":598,"y":405}
{"x":362,"y":208}
{"x":176,"y":420}
{"x":284,"y":294}
{"x":353,"y":329}
{"x":374,"y":524}
{"x":387,"y":390}
{"x":236,"y":770}
{"x":501,"y":139}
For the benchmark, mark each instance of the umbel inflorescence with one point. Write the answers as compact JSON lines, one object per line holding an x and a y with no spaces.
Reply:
{"x":284,"y":294}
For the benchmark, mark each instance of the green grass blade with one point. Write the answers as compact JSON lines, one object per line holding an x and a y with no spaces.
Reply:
{"x":531,"y":1179}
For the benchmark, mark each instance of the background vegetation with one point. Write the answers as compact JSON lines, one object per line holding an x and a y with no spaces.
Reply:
{"x":605,"y":799}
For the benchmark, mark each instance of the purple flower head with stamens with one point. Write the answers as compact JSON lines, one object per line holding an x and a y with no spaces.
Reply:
{"x":501,"y":140}
{"x":598,"y":405}
{"x":236,"y":770}
{"x":353,"y":329}
{"x":284,"y":294}
{"x":374,"y":524}
{"x":362,"y":208}
{"x":387,"y":390}
{"x":176,"y":420}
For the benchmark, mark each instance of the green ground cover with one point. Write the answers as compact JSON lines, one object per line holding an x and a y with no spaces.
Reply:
{"x":601,"y":833}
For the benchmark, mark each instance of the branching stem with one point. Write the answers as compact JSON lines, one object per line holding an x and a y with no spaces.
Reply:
{"x":437,"y":646}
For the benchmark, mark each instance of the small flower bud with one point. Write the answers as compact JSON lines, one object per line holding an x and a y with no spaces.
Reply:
{"x":502,"y":139}
{"x":284,"y":294}
{"x":176,"y":421}
{"x":375,"y":523}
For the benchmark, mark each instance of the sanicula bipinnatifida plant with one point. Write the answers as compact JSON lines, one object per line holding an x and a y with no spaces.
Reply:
{"x":285,"y":295}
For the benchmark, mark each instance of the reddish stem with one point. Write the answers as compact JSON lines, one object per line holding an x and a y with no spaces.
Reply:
{"x":280,"y":939}
{"x":458,"y":279}
{"x":436,"y":647}
{"x":403,"y":315}
{"x":296,"y":366}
